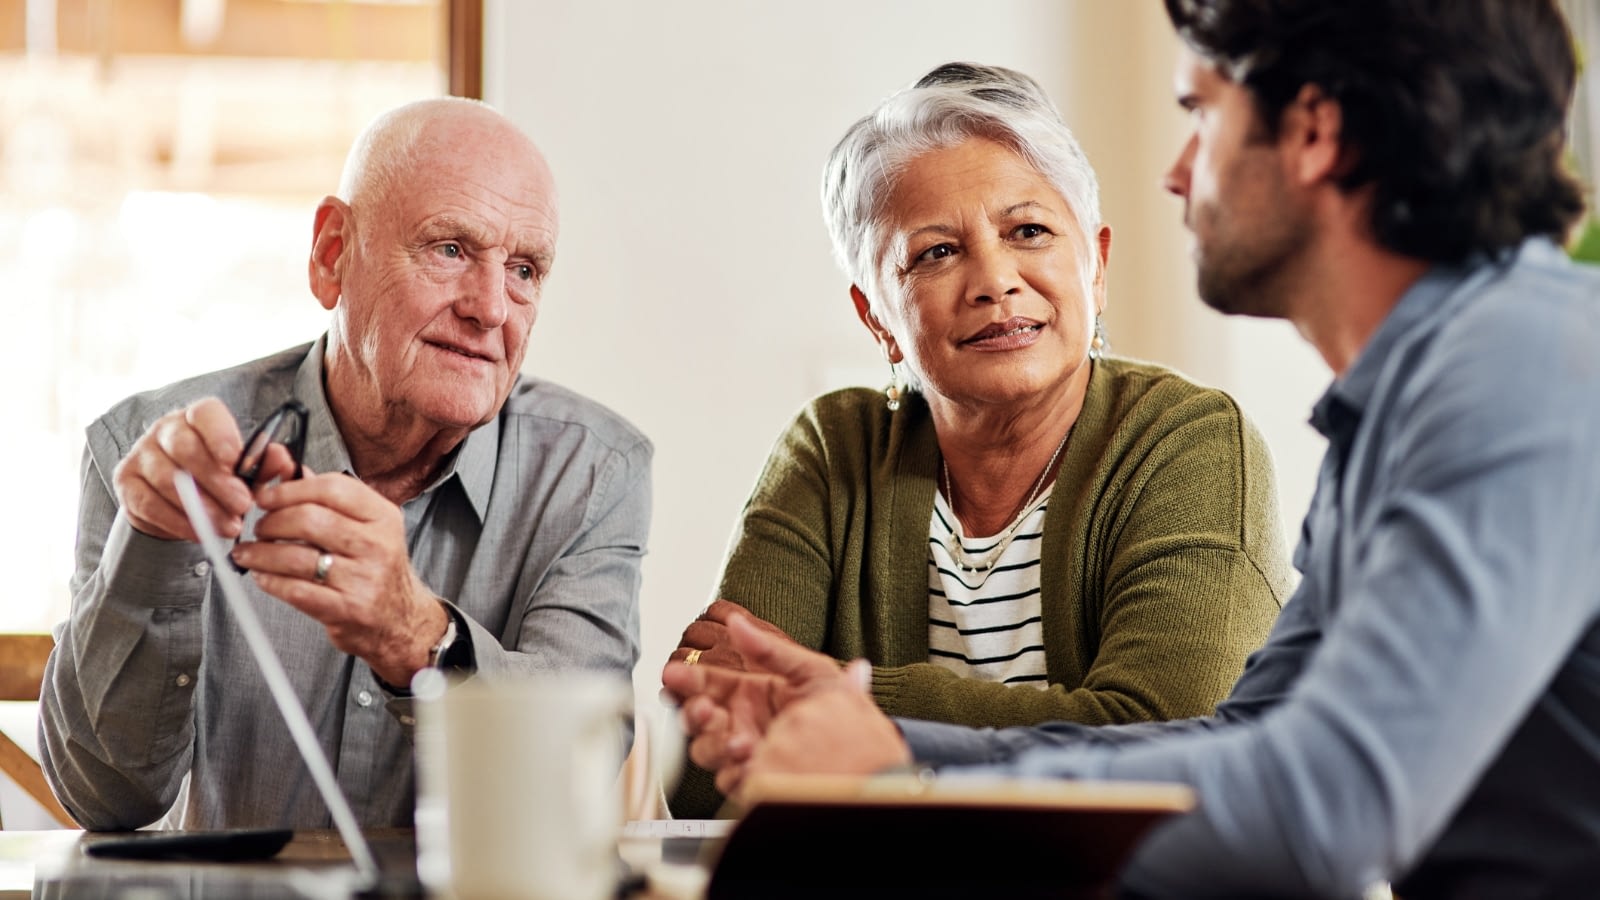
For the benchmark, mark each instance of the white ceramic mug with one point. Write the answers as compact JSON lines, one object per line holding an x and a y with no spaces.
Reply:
{"x":517,"y":793}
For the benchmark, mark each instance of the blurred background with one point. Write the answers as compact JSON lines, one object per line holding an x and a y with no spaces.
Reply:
{"x":160,"y":161}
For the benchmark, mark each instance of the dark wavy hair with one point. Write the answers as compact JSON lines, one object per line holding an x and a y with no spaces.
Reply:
{"x":1455,"y":111}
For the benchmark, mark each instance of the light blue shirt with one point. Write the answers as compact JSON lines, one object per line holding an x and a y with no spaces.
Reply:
{"x":534,"y":532}
{"x":1427,"y":708}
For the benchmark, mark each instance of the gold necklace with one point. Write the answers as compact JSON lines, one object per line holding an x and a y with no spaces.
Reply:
{"x":958,"y":552}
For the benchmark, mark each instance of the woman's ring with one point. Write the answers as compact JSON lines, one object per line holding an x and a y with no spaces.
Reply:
{"x":324,"y":563}
{"x":692,"y":658}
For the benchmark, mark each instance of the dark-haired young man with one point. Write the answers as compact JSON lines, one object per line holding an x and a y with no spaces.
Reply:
{"x":1387,"y":175}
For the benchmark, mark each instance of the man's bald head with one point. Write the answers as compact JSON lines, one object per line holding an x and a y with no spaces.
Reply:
{"x":427,"y":133}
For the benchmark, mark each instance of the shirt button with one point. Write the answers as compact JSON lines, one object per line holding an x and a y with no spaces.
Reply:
{"x":182,"y":680}
{"x":202,"y":568}
{"x":364,"y":698}
{"x":408,"y":720}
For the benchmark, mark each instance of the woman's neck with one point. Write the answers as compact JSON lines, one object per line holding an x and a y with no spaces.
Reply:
{"x":994,"y":465}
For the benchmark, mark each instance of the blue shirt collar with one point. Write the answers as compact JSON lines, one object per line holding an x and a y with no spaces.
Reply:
{"x":1418,"y":313}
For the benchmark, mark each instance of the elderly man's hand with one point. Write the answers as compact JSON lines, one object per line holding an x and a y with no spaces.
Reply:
{"x":368,"y":598}
{"x":791,"y":710}
{"x":202,"y":439}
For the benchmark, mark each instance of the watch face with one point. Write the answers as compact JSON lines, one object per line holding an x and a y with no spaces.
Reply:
{"x":455,"y":648}
{"x":458,"y":655}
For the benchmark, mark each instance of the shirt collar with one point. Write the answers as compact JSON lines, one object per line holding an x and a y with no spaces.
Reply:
{"x":472,"y":464}
{"x":1417,"y":313}
{"x":1347,"y":397}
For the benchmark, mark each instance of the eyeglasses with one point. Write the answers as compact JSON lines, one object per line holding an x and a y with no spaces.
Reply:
{"x":286,"y":426}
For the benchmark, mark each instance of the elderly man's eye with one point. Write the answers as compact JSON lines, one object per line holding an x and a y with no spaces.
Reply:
{"x":523,"y":271}
{"x":450,"y":250}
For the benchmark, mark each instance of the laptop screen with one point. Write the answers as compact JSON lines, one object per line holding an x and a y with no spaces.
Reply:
{"x":294,"y":715}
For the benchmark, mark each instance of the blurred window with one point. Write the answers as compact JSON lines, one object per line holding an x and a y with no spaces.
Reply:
{"x":160,"y":161}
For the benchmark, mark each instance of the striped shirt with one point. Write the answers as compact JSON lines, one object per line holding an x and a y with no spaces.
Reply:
{"x":987,"y":625}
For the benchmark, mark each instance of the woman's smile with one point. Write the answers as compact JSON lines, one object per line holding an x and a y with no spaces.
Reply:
{"x":1013,"y":334}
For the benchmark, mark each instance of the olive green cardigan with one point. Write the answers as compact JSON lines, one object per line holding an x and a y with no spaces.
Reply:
{"x":1163,"y":560}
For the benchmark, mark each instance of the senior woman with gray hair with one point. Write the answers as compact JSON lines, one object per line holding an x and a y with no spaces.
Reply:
{"x":1025,"y":528}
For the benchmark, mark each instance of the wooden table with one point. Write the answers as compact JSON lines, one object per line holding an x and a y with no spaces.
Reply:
{"x":50,"y":864}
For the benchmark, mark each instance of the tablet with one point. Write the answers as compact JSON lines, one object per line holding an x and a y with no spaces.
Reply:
{"x":953,"y":836}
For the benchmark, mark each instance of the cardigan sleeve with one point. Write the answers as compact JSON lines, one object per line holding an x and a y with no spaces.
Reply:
{"x":780,"y":563}
{"x":778,"y":567}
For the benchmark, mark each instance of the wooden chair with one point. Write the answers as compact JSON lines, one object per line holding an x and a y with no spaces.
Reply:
{"x":22,"y":658}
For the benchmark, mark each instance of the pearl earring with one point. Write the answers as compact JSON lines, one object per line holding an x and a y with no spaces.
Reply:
{"x":896,"y":389}
{"x":1098,"y":346}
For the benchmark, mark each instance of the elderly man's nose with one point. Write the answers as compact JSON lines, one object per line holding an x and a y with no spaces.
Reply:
{"x":483,"y":297}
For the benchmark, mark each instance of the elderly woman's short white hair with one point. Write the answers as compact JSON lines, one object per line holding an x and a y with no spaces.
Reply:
{"x":949,"y":105}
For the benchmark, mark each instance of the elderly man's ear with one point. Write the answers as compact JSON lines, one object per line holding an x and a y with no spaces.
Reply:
{"x":328,"y":234}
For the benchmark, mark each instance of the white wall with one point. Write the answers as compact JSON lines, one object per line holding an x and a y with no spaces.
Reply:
{"x":693,"y":289}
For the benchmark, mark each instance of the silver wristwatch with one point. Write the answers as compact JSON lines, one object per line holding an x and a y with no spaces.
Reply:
{"x":444,"y":655}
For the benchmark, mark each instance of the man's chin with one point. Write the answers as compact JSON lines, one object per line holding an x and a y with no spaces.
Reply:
{"x":453,"y":413}
{"x":1221,"y":302}
{"x":1237,"y":297}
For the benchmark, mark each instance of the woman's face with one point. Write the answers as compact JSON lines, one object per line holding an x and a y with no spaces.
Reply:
{"x":987,"y":296}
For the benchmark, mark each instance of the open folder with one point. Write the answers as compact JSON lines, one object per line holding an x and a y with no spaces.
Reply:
{"x":907,"y":836}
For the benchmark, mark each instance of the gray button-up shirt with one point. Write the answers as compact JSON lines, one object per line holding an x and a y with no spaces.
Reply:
{"x":1427,"y":708}
{"x":535,"y":532}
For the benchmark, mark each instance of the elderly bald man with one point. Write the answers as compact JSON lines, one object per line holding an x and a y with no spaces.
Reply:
{"x":447,"y":511}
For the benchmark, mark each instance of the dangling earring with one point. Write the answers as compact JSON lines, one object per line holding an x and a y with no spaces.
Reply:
{"x":1098,"y":346}
{"x":896,"y":388}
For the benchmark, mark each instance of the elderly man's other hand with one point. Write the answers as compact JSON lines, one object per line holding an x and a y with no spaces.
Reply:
{"x":202,"y":439}
{"x":759,"y":717}
{"x":335,"y":549}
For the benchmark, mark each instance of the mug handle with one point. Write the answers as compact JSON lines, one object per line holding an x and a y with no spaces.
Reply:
{"x":666,"y":744}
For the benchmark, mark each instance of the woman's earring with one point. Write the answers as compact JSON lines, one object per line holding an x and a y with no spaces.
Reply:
{"x":896,"y":388}
{"x":1097,"y":344}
